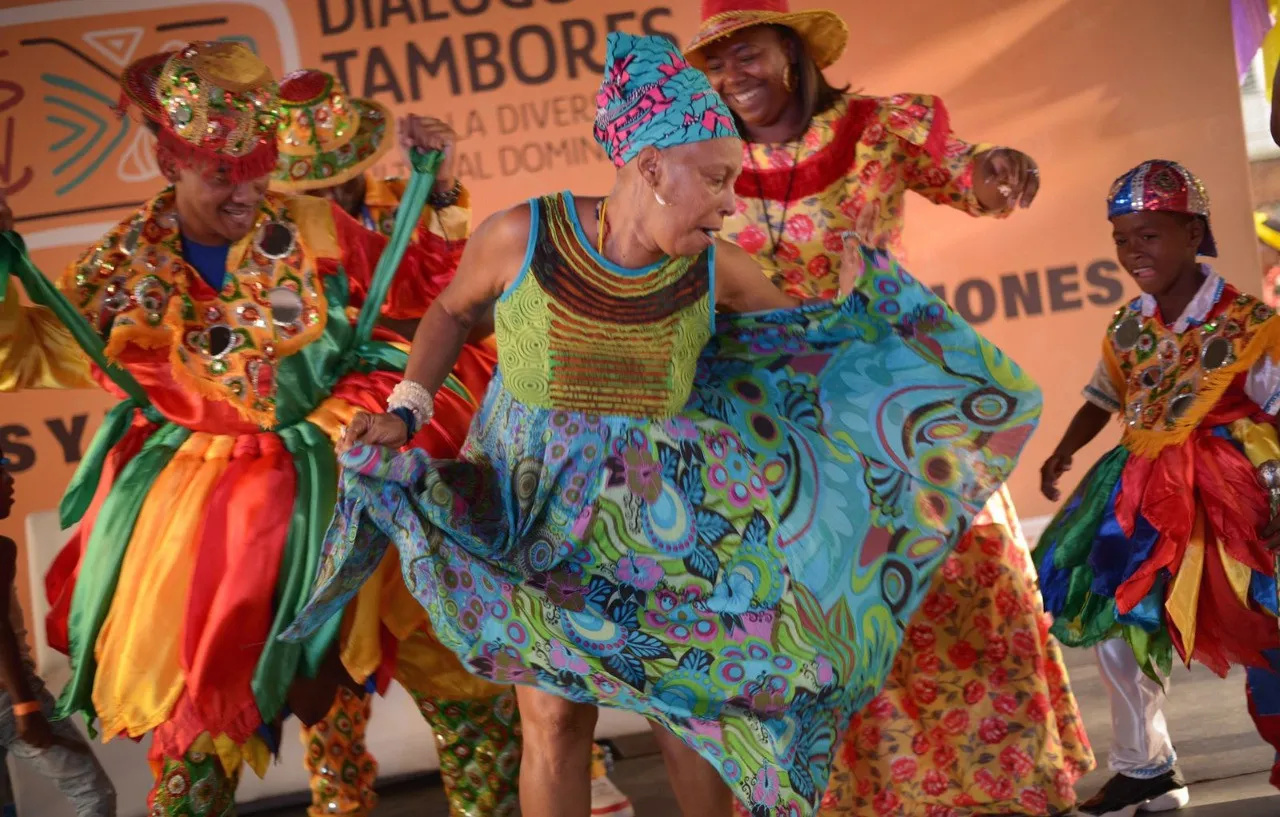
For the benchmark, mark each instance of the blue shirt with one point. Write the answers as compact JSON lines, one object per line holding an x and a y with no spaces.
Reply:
{"x":210,"y":262}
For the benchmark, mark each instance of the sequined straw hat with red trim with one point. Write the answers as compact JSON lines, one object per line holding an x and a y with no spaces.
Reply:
{"x":213,"y":102}
{"x":1163,"y":186}
{"x":326,"y":138}
{"x":823,"y":31}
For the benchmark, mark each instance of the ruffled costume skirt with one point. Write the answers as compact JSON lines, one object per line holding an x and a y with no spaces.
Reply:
{"x":740,"y":573}
{"x":199,"y":548}
{"x":1166,"y":552}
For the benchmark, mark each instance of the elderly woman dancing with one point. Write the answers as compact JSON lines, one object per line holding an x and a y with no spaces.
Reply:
{"x":719,"y":521}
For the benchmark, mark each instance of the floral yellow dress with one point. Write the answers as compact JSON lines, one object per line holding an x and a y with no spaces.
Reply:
{"x":977,"y":716}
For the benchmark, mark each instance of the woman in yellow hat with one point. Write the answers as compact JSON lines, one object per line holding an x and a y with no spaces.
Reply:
{"x":822,"y":162}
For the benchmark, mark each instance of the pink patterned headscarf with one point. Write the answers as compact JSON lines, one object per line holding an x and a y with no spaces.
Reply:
{"x":652,"y":96}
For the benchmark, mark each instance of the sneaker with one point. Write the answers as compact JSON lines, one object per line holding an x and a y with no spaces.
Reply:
{"x":1125,"y":796}
{"x":608,"y":801}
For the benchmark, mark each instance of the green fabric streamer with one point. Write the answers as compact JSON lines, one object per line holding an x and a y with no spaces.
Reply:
{"x":317,"y":489}
{"x":425,"y":166}
{"x":14,"y":261}
{"x":1079,"y":529}
{"x":100,"y":566}
{"x":84,"y":483}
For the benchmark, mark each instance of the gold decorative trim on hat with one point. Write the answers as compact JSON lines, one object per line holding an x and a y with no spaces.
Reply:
{"x":824,"y":32}
{"x":327,"y":138}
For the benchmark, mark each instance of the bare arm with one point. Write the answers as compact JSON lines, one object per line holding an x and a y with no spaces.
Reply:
{"x":463,"y":310}
{"x":1275,"y":111}
{"x":1087,"y":424}
{"x":13,"y":675}
{"x":741,"y":286}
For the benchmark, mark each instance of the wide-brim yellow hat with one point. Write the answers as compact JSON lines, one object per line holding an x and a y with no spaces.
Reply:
{"x":327,"y":138}
{"x":823,"y":31}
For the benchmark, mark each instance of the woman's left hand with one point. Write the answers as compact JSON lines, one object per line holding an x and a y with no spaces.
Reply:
{"x":1006,"y":178}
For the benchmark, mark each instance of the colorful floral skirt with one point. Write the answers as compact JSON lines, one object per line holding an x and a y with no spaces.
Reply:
{"x":740,"y":573}
{"x":1166,"y":553}
{"x":196,"y":552}
{"x":977,"y":716}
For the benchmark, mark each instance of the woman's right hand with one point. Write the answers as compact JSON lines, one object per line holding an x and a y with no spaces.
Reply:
{"x":374,"y":429}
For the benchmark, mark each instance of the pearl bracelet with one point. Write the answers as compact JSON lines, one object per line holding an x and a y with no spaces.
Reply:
{"x":413,"y":396}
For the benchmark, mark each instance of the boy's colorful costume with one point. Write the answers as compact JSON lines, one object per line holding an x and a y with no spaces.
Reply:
{"x":1160,"y":545}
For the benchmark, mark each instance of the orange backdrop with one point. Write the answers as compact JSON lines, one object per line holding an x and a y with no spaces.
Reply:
{"x":1090,"y":87}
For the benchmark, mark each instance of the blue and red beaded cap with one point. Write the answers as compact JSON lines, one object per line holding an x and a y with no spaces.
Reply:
{"x":1162,"y":186}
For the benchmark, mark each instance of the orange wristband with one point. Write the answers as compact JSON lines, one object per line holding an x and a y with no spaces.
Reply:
{"x":26,"y":708}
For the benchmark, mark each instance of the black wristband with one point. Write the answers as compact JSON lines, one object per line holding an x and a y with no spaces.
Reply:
{"x":442,"y":200}
{"x":410,"y":421}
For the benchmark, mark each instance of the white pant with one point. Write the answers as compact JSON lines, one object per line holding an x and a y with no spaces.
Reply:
{"x":1140,"y":742}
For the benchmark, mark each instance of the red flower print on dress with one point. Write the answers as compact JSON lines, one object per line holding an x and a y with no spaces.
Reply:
{"x":956,"y":721}
{"x":1039,"y":708}
{"x":963,"y":655}
{"x":974,"y":691}
{"x":939,"y":605}
{"x":1005,"y":704}
{"x":995,"y":650}
{"x":1025,"y":644}
{"x":993,"y":730}
{"x":889,"y":179}
{"x":924,"y":691}
{"x":833,"y":241}
{"x":739,"y":205}
{"x":952,"y":570}
{"x":928,"y":663}
{"x":918,"y":111}
{"x":886,"y":802}
{"x":1034,"y":800}
{"x":1016,"y":762}
{"x":881,"y":707}
{"x":780,"y":158}
{"x":752,"y":239}
{"x":870,"y":170}
{"x":813,"y":139}
{"x":966,"y":801}
{"x":786,"y":251}
{"x":904,"y":769}
{"x":945,"y":756}
{"x":920,"y":745}
{"x":937,"y":177}
{"x":993,"y":546}
{"x":819,"y":266}
{"x":939,"y":810}
{"x":900,"y":121}
{"x":800,"y":228}
{"x":935,"y":783}
{"x":1007,"y":604}
{"x":956,"y":147}
{"x":921,"y":637}
{"x":874,"y":134}
{"x":871,"y":736}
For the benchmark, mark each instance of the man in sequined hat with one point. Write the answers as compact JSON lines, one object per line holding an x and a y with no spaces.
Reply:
{"x":1164,"y":549}
{"x":328,"y":145}
{"x":239,"y":324}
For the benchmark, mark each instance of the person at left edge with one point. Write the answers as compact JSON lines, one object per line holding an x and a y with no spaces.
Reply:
{"x":229,"y":306}
{"x":328,"y":146}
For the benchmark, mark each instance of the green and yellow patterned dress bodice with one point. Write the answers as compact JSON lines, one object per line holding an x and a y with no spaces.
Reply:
{"x":579,"y":333}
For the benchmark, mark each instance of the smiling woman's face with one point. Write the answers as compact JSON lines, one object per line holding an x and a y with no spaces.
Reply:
{"x":749,"y":70}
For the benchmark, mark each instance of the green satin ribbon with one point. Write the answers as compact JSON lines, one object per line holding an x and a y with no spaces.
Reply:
{"x":79,"y":494}
{"x":100,"y":566}
{"x":423,"y":178}
{"x":317,"y":490}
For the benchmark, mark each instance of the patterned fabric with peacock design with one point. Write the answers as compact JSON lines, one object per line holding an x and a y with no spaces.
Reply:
{"x":740,"y":570}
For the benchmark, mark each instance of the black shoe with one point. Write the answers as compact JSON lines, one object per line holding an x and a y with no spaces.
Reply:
{"x":1125,"y":796}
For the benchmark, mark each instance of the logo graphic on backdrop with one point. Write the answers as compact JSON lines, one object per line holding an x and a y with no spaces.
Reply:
{"x":68,"y":163}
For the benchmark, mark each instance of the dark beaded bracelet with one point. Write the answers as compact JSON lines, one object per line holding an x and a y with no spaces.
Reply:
{"x":442,"y":200}
{"x":410,"y":422}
